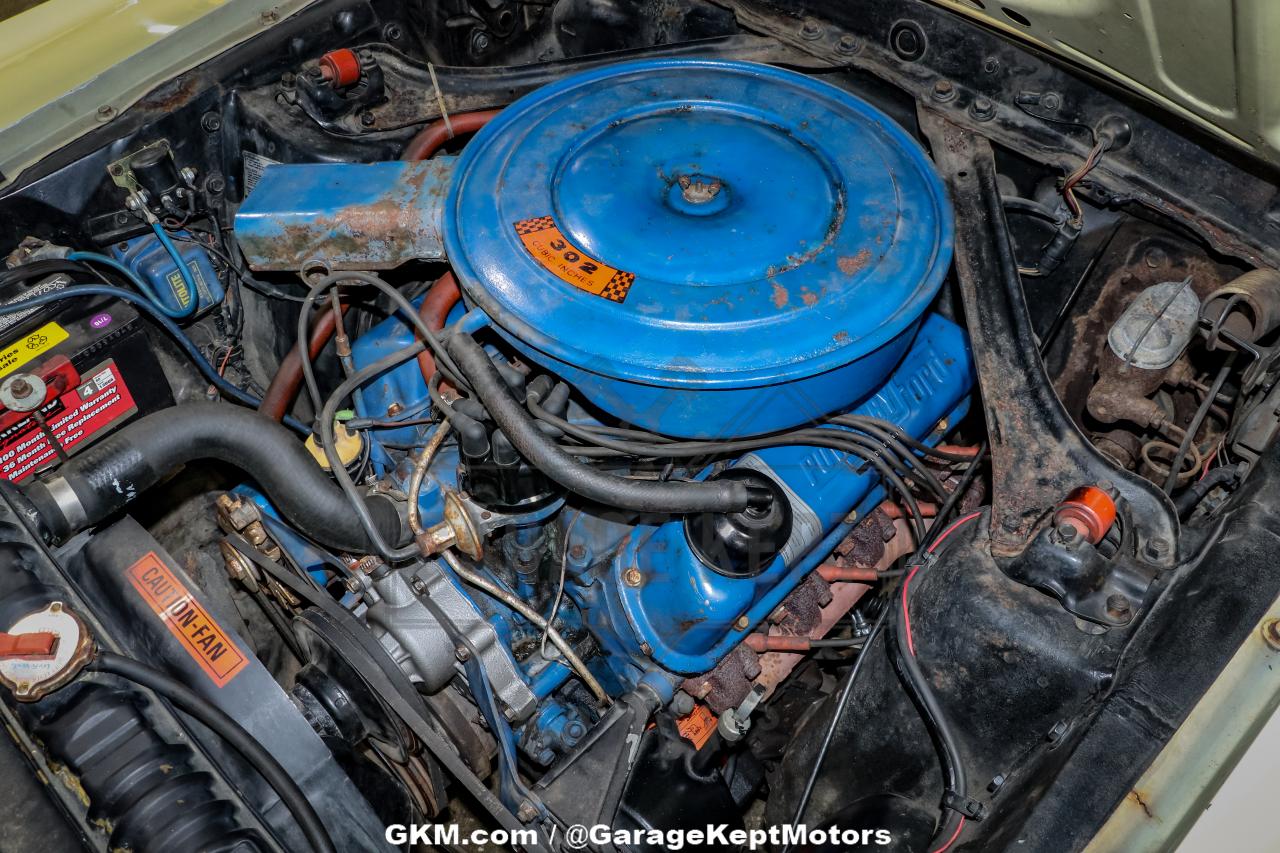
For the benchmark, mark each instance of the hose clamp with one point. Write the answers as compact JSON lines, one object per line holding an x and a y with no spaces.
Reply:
{"x":68,"y":502}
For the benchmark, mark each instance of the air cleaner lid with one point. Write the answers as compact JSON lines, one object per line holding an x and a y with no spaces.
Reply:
{"x":698,"y":223}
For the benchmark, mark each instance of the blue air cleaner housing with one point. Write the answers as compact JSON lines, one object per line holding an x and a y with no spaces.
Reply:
{"x":680,"y":239}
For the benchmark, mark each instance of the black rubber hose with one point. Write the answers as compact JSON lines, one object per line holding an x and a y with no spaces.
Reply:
{"x":106,"y":476}
{"x":677,"y":498}
{"x":1190,"y":497}
{"x":217,"y":721}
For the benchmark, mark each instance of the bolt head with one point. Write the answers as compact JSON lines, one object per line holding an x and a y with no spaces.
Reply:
{"x":1068,"y":533}
{"x":943,"y":91}
{"x":810,"y":29}
{"x":847,"y":44}
{"x":982,"y":109}
{"x":1118,"y":606}
{"x":632,"y":577}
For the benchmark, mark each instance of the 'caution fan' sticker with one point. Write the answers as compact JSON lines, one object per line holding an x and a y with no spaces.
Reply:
{"x":200,"y":636}
{"x":568,"y":263}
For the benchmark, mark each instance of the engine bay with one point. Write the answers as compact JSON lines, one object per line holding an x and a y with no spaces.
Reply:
{"x":539,"y":416}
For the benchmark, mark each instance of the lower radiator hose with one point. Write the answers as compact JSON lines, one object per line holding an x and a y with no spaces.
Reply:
{"x":92,"y":485}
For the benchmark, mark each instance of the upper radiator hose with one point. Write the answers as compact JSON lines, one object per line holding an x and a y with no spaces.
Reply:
{"x":103,"y":479}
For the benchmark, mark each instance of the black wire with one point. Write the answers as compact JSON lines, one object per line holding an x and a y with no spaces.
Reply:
{"x":326,"y":434}
{"x":935,"y":718}
{"x":42,"y":269}
{"x":837,"y":713}
{"x":878,"y":456}
{"x":228,"y":389}
{"x":1175,"y":467}
{"x":1093,"y":136}
{"x":894,"y":443}
{"x":218,"y":722}
{"x":914,"y":680}
{"x":953,"y":499}
{"x":847,"y":691}
{"x":231,"y":255}
{"x":838,"y":643}
{"x":856,"y":421}
{"x":443,"y":359}
{"x":1060,"y":316}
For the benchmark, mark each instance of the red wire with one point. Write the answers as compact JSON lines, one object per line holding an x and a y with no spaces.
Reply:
{"x":906,"y":614}
{"x":959,"y":826}
{"x":1209,"y":462}
{"x":225,"y":359}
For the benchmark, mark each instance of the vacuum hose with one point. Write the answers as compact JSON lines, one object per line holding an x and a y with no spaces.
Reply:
{"x":657,"y":496}
{"x":104,"y":478}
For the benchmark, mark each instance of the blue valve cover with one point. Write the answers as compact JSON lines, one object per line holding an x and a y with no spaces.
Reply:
{"x":674,"y":237}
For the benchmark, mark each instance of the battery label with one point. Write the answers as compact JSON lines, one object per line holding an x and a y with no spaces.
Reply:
{"x":20,"y":352}
{"x":198,"y":632}
{"x":543,"y":240}
{"x":97,"y":403}
{"x":50,"y":284}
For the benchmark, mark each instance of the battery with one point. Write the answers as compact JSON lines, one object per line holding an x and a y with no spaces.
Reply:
{"x":70,"y":372}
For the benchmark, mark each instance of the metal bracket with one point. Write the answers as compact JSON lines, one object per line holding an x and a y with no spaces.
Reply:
{"x":1038,"y":453}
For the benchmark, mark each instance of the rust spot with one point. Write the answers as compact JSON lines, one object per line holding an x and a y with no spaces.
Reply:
{"x":850,"y":265}
{"x":809,"y":298}
{"x":1136,"y":796}
{"x":780,"y":296}
{"x":172,"y":95}
{"x":841,"y":336}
